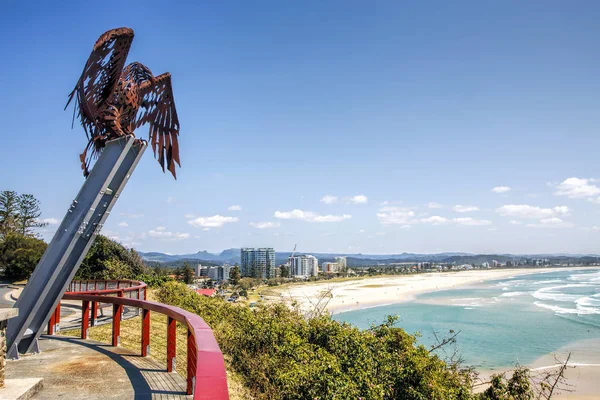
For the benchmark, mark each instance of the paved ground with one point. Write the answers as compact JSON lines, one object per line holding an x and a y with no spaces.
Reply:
{"x":85,"y":369}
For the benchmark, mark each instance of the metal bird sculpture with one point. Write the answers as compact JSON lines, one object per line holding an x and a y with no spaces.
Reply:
{"x":114,"y":100}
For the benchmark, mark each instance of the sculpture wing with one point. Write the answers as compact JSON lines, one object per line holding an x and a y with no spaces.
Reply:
{"x":100,"y":76}
{"x":158,"y":110}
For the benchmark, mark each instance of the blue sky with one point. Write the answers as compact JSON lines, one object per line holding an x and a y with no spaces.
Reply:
{"x":386,"y":106}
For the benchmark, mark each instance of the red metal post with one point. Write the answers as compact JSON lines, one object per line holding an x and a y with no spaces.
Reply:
{"x":51,"y":324}
{"x":57,"y":313}
{"x":145,"y":332}
{"x":85,"y":318}
{"x":192,"y":358}
{"x":94,"y":312}
{"x":171,"y":344}
{"x":117,"y":315}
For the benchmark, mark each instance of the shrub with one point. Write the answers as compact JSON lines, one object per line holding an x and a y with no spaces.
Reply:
{"x":282,"y":355}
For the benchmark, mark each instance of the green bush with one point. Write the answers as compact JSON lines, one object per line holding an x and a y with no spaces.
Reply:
{"x":282,"y":355}
{"x":108,"y":259}
{"x":20,"y":254}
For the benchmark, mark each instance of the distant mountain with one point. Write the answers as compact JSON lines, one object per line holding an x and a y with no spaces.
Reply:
{"x":232,"y":256}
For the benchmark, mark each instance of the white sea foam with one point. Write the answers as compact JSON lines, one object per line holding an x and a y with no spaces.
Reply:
{"x":572,"y":364}
{"x":547,"y":281}
{"x":514,"y":294}
{"x":468,"y":302}
{"x":588,"y":301}
{"x":589,"y":277}
{"x":553,"y":292}
{"x":562,"y":310}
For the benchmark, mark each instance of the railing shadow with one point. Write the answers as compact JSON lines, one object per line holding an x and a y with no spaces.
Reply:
{"x":141,"y":388}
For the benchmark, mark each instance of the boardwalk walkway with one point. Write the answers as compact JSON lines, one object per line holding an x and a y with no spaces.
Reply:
{"x":84,"y":369}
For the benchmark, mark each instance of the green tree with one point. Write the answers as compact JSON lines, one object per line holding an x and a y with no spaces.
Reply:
{"x":29,"y":214}
{"x":235,"y":275}
{"x":9,"y":212}
{"x":115,"y":269}
{"x":285,"y":271}
{"x":20,"y":254}
{"x":188,"y":273}
{"x":94,"y":265}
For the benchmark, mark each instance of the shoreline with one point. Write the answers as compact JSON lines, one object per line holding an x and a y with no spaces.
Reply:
{"x":393,"y":289}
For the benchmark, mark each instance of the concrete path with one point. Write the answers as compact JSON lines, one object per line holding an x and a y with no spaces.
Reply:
{"x":86,"y":369}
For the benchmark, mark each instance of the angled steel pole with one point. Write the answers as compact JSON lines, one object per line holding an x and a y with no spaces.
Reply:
{"x":71,"y":242}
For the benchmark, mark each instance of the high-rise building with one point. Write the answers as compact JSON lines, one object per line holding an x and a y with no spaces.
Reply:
{"x":341,"y":262}
{"x":201,"y":271}
{"x":213,"y":273}
{"x":330,"y":267}
{"x":257,"y":263}
{"x":304,"y":266}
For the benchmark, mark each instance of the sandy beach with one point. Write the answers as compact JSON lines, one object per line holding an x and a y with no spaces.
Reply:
{"x":377,"y":291}
{"x":581,"y":375}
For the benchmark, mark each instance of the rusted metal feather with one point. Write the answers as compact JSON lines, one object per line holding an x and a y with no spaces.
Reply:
{"x":114,"y":99}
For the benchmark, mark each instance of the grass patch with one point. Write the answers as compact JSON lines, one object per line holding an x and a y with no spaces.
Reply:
{"x":131,"y":336}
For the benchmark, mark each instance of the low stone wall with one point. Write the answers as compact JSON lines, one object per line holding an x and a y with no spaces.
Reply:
{"x":5,"y":315}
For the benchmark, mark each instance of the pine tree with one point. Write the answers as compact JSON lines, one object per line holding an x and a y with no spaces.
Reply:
{"x":188,"y":273}
{"x":29,"y":212}
{"x":9,"y":212}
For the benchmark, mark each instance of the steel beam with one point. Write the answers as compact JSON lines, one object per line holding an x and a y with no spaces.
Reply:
{"x":71,"y":242}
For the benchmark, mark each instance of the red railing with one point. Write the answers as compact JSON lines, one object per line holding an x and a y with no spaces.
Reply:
{"x":206,"y":378}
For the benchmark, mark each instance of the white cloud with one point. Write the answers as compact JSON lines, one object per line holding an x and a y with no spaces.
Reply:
{"x":123,"y":224}
{"x":189,"y":216}
{"x":160,"y":228}
{"x":435,"y":220}
{"x":464,"y":209}
{"x":235,"y":208}
{"x":50,"y":221}
{"x":595,"y":200}
{"x":329,"y":199}
{"x":396,"y":215}
{"x":553,"y":222}
{"x":501,"y":189}
{"x":358,"y":199}
{"x":577,"y":188}
{"x":310,"y":216}
{"x":362,"y":231}
{"x":525,"y":211}
{"x":433,"y":204}
{"x":111,"y":235}
{"x":472,"y":222}
{"x":206,"y":229}
{"x":265,"y":225}
{"x":171,"y":200}
{"x":216,"y":221}
{"x":163,"y":234}
{"x":515,"y":222}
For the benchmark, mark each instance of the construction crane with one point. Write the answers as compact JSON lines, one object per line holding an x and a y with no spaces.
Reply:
{"x":290,"y":259}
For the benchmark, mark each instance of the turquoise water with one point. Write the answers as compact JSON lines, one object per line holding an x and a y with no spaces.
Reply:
{"x":502,"y":322}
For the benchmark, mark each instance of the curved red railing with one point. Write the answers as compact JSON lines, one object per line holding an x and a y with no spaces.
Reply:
{"x":206,"y":377}
{"x":118,"y":287}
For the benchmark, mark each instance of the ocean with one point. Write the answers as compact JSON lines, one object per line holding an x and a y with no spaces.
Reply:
{"x":504,"y":322}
